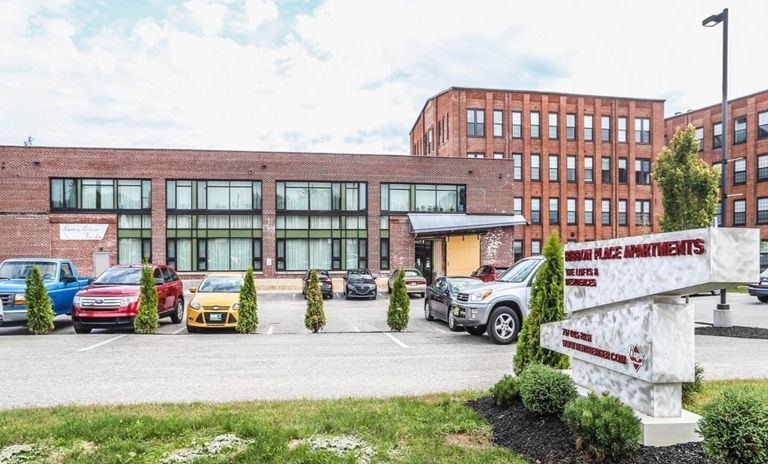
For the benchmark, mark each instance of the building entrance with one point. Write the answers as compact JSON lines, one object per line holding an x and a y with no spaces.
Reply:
{"x":424,"y":259}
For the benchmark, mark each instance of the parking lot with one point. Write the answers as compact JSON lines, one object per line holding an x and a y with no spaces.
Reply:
{"x":356,"y":355}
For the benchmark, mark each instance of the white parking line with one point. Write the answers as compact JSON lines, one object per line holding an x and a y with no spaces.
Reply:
{"x":396,"y":340}
{"x":103,"y":343}
{"x":271,"y":328}
{"x":180,"y":330}
{"x":439,"y":330}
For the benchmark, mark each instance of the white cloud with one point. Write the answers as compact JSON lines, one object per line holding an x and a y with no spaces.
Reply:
{"x":350,"y":76}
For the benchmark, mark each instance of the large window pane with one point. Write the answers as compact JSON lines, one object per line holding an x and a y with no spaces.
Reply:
{"x":129,"y":251}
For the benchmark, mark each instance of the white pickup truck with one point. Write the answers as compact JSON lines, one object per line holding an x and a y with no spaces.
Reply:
{"x":498,"y":307}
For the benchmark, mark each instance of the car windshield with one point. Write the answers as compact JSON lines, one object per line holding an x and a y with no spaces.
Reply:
{"x":221,"y":284}
{"x":460,"y":284}
{"x":120,"y":276}
{"x":358,"y":276}
{"x":23,"y":269}
{"x":520,"y":271}
{"x":412,"y":273}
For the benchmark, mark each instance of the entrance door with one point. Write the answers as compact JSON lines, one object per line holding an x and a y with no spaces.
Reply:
{"x":462,"y":254}
{"x":424,"y":261}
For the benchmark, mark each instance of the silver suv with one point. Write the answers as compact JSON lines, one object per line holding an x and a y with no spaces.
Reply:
{"x":499,"y":307}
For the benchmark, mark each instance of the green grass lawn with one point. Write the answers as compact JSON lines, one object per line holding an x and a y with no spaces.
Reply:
{"x":425,"y":429}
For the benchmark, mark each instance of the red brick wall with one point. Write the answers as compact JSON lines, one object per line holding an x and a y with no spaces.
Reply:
{"x":30,"y":229}
{"x":753,"y":189}
{"x":456,"y":101}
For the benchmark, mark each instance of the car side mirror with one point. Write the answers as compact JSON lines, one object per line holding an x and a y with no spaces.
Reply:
{"x":192,"y":289}
{"x":159,"y":281}
{"x":68,"y":279}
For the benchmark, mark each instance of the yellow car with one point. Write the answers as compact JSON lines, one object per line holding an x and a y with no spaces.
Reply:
{"x":215,"y":302}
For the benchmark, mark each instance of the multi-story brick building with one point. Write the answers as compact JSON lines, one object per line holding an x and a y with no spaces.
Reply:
{"x":581,"y":163}
{"x":746,"y":183}
{"x":278,"y":212}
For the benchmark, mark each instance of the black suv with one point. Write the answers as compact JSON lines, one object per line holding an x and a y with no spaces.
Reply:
{"x":323,"y":278}
{"x":360,"y":283}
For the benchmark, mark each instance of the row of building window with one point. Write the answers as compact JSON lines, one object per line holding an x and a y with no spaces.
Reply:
{"x":642,"y":211}
{"x":200,"y":195}
{"x":739,"y":131}
{"x":476,"y":126}
{"x":642,"y":169}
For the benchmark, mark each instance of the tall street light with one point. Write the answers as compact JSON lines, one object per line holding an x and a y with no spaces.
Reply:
{"x":722,"y":319}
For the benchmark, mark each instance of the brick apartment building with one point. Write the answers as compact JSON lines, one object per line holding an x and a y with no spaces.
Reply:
{"x":746,"y":180}
{"x":581,"y":163}
{"x":278,"y":212}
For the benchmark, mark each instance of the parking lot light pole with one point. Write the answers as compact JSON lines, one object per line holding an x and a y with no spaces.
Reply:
{"x":722,"y":319}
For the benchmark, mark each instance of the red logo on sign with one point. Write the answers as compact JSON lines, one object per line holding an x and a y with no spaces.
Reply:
{"x":636,"y":356}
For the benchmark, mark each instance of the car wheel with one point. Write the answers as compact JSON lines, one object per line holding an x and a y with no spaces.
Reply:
{"x":452,"y":323}
{"x":192,"y":329}
{"x":389,"y":288}
{"x":428,"y":311}
{"x":475,"y":330}
{"x":178,"y":314}
{"x":503,"y":325}
{"x":82,"y":330}
{"x":715,"y":292}
{"x":330,"y":296}
{"x":762,"y":299}
{"x":375,"y":295}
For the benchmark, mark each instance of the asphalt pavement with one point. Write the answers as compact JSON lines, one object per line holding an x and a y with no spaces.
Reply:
{"x":356,"y":355}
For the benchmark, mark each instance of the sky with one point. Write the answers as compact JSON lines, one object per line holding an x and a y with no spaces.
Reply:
{"x":341,"y":76}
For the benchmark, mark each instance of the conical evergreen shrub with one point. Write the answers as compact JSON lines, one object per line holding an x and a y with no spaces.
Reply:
{"x":39,"y":310}
{"x":314,"y":319}
{"x":399,"y":310}
{"x":546,"y":305}
{"x":247,"y":314}
{"x":147,"y":319}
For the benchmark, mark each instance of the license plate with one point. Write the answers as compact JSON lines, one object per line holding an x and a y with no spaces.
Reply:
{"x":214,"y":317}
{"x":413,"y":283}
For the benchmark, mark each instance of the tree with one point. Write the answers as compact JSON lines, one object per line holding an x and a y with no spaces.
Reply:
{"x":247,"y":314}
{"x":689,"y":186}
{"x":399,"y":310}
{"x":546,"y":305}
{"x":147,"y":319}
{"x":314,"y":319}
{"x":39,"y":309}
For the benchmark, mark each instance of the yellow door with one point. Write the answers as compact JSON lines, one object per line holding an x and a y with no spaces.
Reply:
{"x":462,"y":254}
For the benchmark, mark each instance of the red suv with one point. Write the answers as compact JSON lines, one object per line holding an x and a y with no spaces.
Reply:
{"x":489,"y":272}
{"x":111,"y":301}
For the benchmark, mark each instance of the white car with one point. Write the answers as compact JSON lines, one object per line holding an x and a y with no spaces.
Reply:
{"x":415,"y":282}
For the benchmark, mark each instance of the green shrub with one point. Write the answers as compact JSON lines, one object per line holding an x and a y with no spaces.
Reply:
{"x":603,"y":425}
{"x":734,"y":426}
{"x":399,"y":310}
{"x":547,"y":297}
{"x":691,"y":389}
{"x":314,"y":319}
{"x":545,"y":390}
{"x":506,"y":390}
{"x":147,"y":319}
{"x":39,"y":309}
{"x":247,"y":313}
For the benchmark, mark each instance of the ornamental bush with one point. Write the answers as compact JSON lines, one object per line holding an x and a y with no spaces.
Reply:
{"x":399,"y":310}
{"x":314,"y":319}
{"x":734,"y":426}
{"x":691,"y":389}
{"x":40,"y":313}
{"x":247,"y":313}
{"x":603,"y":425}
{"x":545,"y":390}
{"x":546,"y":305}
{"x":506,"y":390}
{"x":147,"y":319}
